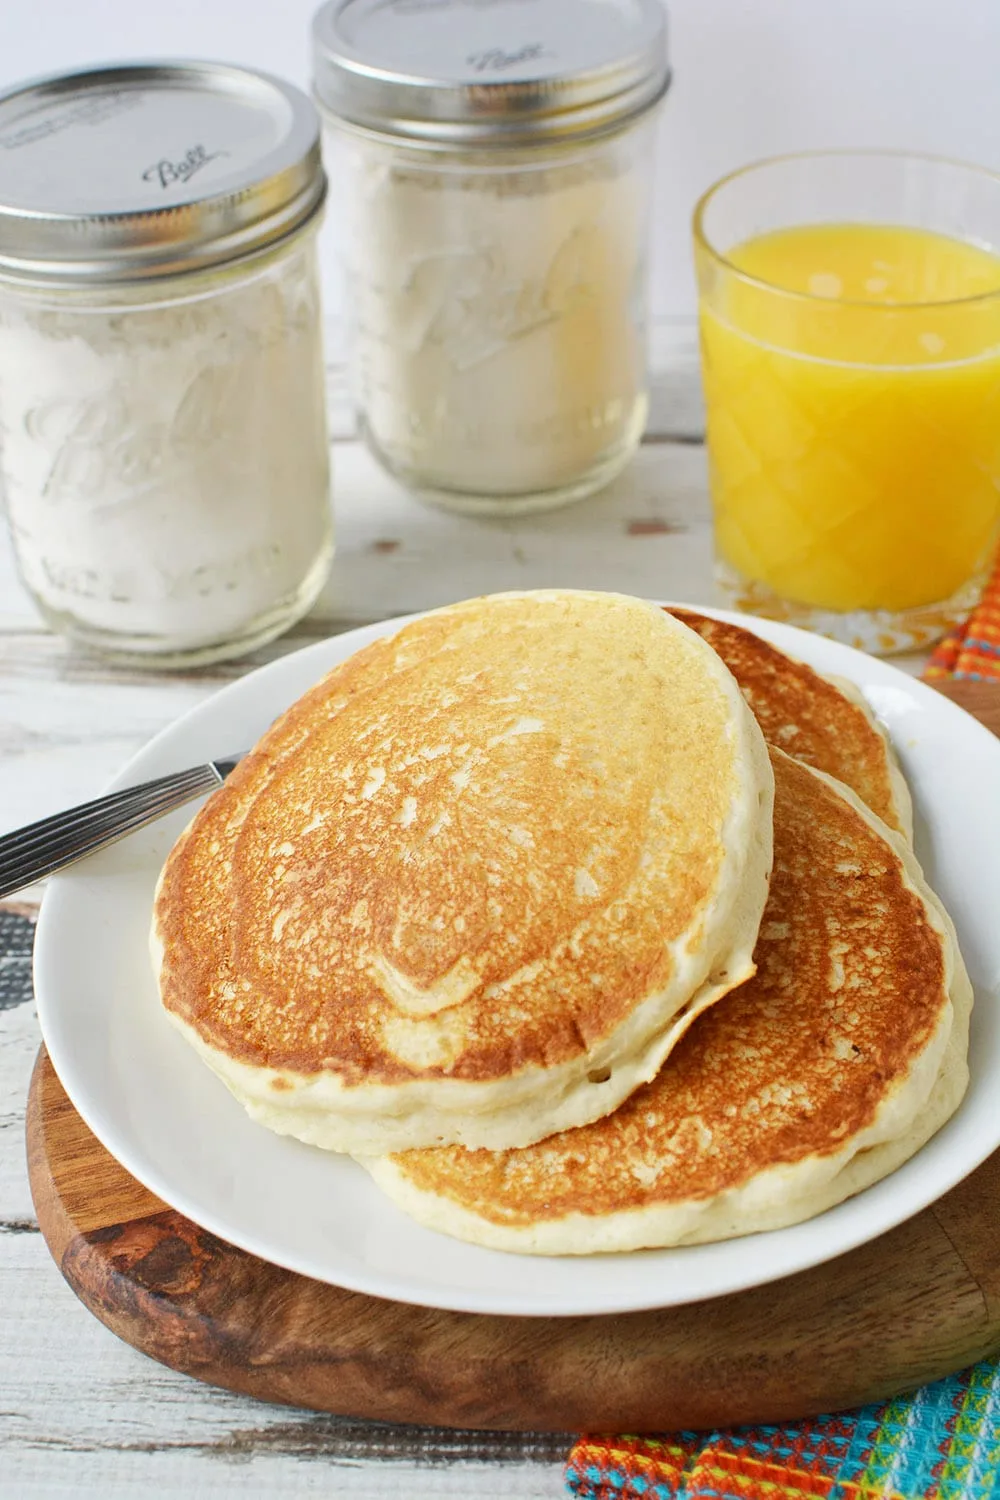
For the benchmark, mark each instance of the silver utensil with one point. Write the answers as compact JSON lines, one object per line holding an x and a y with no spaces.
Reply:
{"x":28,"y":854}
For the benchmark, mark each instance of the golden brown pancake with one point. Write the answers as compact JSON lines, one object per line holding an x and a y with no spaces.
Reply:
{"x":843,"y":1054}
{"x":825,"y":723}
{"x":473,"y":885}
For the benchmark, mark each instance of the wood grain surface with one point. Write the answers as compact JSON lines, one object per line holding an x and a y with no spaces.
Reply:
{"x":981,"y":699}
{"x":912,"y":1306}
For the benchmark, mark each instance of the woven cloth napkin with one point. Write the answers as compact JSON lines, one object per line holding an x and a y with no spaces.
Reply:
{"x":942,"y":1443}
{"x":973,"y":649}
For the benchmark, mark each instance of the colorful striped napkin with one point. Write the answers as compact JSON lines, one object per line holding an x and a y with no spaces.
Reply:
{"x":942,"y":1443}
{"x":973,"y":649}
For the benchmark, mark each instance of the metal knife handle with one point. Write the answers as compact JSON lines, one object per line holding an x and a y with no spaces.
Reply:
{"x":41,"y":848}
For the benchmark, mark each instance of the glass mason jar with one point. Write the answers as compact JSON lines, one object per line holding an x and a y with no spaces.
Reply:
{"x":850,"y":335}
{"x":164,"y":456}
{"x":494,"y":228}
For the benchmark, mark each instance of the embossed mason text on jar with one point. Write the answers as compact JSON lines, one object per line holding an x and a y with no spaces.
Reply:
{"x":493,"y":235}
{"x":164,"y":457}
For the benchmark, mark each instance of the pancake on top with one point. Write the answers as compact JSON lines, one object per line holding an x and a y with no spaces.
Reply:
{"x":473,"y":886}
{"x":825,"y":1072}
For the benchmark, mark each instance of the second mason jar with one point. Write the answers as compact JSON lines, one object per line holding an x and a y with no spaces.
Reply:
{"x":494,"y":163}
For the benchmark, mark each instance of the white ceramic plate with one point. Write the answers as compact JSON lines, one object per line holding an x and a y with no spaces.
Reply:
{"x":170,"y":1122}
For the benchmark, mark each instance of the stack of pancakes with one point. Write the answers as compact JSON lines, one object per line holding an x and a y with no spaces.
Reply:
{"x":583,"y":925}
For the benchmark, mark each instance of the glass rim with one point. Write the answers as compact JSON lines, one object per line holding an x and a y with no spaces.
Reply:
{"x":703,"y":242}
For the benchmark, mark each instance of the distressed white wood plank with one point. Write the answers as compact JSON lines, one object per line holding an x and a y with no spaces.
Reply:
{"x":69,"y":1384}
{"x":60,"y":740}
{"x":647,"y":533}
{"x":19,"y":1041}
{"x":81,"y":1409}
{"x":179,"y":1476}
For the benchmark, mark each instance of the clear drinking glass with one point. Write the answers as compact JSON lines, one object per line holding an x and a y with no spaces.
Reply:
{"x":850,"y":336}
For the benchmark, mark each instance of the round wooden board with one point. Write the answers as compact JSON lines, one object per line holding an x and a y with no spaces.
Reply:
{"x":914,"y":1305}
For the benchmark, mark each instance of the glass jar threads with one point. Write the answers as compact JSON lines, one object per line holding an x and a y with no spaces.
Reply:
{"x":495,"y":167}
{"x":163,"y":444}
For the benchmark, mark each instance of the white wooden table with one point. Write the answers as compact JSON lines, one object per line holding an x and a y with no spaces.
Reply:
{"x":80,"y":1413}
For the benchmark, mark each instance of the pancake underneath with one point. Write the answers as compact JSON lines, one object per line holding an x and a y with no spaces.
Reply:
{"x":473,"y":886}
{"x":843,"y":1055}
{"x":820,"y":720}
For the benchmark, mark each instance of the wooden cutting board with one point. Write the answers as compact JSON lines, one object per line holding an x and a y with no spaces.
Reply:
{"x":914,"y":1305}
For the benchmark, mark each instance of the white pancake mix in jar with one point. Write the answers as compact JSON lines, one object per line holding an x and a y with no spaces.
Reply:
{"x":163,"y":446}
{"x":494,"y":158}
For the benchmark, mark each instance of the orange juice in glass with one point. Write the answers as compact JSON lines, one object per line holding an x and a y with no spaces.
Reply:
{"x":850,"y":337}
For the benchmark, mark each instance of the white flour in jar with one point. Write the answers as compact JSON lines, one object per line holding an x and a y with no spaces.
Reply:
{"x":499,"y":340}
{"x":165,"y":466}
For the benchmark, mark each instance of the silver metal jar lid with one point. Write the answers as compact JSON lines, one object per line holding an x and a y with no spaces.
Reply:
{"x":489,"y":72}
{"x":142,"y":170}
